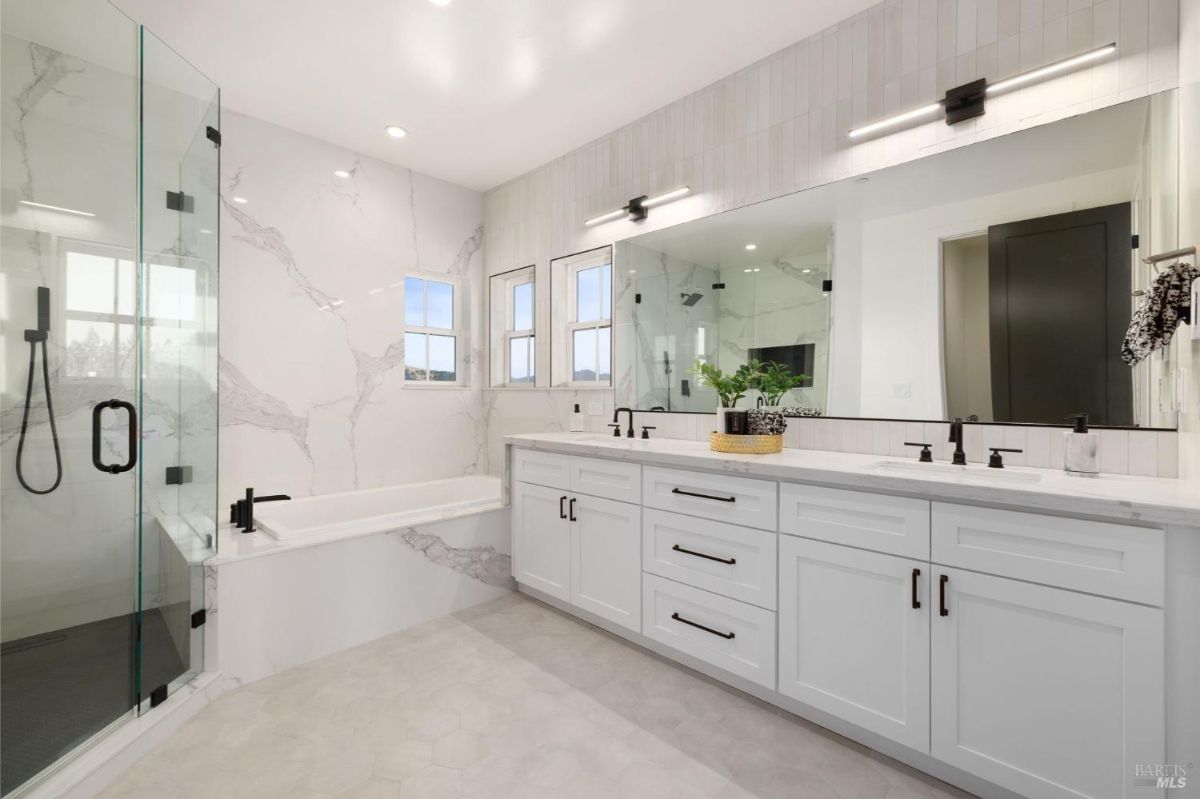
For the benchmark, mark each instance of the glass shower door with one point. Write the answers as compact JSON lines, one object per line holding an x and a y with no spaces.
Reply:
{"x":68,"y":305}
{"x":180,"y":194}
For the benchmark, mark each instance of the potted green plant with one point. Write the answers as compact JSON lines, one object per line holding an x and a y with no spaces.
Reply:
{"x":729,"y":387}
{"x":774,"y":380}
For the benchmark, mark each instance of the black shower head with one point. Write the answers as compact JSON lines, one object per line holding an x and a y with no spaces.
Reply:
{"x":690,"y":299}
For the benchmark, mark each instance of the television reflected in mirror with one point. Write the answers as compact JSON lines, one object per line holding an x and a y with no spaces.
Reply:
{"x":994,"y":282}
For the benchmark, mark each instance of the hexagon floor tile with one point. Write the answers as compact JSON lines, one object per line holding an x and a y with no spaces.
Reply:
{"x":504,"y":700}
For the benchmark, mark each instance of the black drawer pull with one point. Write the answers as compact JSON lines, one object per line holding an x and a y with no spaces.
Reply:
{"x":916,"y":603}
{"x":571,"y":511}
{"x":562,"y":511}
{"x":726,"y":636}
{"x":702,"y":496}
{"x":942,"y":580}
{"x":729,"y":561}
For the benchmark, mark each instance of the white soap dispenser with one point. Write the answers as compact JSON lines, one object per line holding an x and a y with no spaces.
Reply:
{"x":576,"y":420}
{"x":1081,"y":449}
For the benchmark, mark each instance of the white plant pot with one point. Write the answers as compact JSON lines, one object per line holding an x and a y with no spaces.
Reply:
{"x":720,"y":428}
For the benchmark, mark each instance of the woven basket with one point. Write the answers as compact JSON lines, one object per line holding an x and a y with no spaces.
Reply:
{"x":745,"y":445}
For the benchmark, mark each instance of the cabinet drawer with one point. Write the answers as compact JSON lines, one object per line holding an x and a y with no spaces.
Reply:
{"x":1112,"y":560}
{"x":731,"y":635}
{"x":737,"y":562}
{"x":609,"y":479}
{"x":542,"y":468}
{"x":897,"y":525}
{"x":738,"y":500}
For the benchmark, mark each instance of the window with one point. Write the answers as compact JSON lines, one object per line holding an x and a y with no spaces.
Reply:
{"x":590,"y":324}
{"x":581,"y":318}
{"x":513,"y":309}
{"x":431,"y":350}
{"x":99,"y":315}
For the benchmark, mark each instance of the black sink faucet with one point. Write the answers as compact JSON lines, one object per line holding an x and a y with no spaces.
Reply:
{"x":956,"y":438}
{"x":617,"y":420}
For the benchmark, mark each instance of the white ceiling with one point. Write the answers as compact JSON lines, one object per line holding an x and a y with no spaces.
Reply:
{"x":487,"y":89}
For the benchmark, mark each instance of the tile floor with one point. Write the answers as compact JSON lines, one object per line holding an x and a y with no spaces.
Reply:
{"x":507,"y":699}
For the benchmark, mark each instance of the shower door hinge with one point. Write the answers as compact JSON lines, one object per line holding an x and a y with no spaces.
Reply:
{"x":199,"y":617}
{"x":637,"y":298}
{"x":213,"y":135}
{"x":178,"y":201}
{"x":178,"y":475}
{"x":1135,"y":241}
{"x":158,"y":695}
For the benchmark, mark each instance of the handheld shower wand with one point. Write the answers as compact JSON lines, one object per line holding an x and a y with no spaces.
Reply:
{"x":34,"y":337}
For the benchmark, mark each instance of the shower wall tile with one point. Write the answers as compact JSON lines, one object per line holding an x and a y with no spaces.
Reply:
{"x":312,"y":392}
{"x":778,"y":126}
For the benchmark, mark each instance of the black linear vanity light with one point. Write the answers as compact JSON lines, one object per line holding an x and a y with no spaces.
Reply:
{"x":967,"y":101}
{"x":636,"y":209}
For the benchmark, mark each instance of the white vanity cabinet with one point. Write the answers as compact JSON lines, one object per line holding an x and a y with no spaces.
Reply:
{"x":1048,"y":692}
{"x":1022,"y":648}
{"x":854,"y":636}
{"x":584,"y":549}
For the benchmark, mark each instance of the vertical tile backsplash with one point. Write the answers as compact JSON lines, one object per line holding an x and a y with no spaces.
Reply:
{"x":1147,"y":453}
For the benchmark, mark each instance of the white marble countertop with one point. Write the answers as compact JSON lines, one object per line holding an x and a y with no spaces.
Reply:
{"x":1152,"y":500}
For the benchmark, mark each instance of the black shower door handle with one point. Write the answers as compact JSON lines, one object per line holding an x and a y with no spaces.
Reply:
{"x":97,"y":461}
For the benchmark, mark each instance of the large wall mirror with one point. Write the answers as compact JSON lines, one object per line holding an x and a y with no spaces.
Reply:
{"x":993,"y":282}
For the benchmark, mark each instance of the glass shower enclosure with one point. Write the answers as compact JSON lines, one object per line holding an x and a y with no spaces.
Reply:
{"x":109,"y":166}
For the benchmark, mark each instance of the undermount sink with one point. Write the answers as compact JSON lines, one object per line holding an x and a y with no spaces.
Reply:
{"x":974,"y":473}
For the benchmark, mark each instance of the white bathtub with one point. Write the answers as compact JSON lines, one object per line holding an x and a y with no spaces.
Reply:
{"x":374,"y":510}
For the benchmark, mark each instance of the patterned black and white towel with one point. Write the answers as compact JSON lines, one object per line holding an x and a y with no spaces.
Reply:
{"x":1155,"y":320}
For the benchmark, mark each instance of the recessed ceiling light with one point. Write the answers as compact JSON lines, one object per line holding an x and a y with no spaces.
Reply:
{"x":396,"y":132}
{"x":751,"y":246}
{"x":240,"y":200}
{"x":805,"y":271}
{"x":633,"y":271}
{"x":440,"y":2}
{"x":341,"y":173}
{"x":747,"y":271}
{"x":206,"y":231}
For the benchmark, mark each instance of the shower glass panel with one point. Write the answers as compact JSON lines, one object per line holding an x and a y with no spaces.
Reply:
{"x":108,"y":298}
{"x":68,"y":206}
{"x":179,"y":178}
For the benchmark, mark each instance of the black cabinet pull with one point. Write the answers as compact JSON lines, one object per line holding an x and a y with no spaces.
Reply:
{"x":571,"y":506}
{"x":131,"y":460}
{"x":726,"y":636}
{"x":702,"y":496}
{"x":916,"y":603}
{"x":942,"y":580}
{"x":562,"y":510}
{"x":729,"y":561}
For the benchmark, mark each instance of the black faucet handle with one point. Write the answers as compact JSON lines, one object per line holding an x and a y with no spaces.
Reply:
{"x":646,"y":430}
{"x":616,"y":429}
{"x":996,"y":460}
{"x":926,"y":455}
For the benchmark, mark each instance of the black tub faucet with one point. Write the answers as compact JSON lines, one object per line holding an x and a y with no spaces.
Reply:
{"x":956,"y":438}
{"x":617,"y":420}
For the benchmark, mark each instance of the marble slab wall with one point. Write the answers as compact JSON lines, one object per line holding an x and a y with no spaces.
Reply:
{"x":312,"y":392}
{"x":779,"y":126}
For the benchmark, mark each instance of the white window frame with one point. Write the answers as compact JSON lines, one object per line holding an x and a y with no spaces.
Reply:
{"x":599,"y":324}
{"x":526,"y":277}
{"x":456,"y":331}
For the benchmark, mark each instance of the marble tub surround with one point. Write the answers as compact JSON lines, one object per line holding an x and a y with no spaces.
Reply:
{"x":313,"y":398}
{"x":1138,"y":499}
{"x":507,"y":699}
{"x":280,"y":604}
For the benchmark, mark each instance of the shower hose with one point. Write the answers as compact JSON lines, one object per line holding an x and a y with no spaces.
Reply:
{"x":33,"y":342}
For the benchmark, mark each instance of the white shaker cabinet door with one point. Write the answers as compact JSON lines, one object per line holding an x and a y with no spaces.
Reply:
{"x":1047,"y":692}
{"x":541,"y":539}
{"x":854,"y":636}
{"x":606,"y":559}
